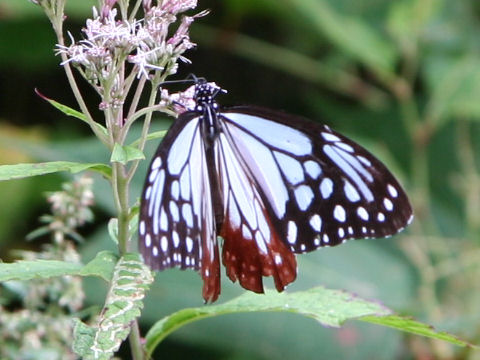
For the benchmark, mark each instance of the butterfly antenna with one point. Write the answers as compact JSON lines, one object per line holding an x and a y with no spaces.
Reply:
{"x":191,"y":78}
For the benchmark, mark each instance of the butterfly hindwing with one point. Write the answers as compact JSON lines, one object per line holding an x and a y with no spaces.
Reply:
{"x":320,"y":187}
{"x":252,"y":247}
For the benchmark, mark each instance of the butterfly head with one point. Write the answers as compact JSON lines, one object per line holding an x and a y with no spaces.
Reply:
{"x":205,"y":94}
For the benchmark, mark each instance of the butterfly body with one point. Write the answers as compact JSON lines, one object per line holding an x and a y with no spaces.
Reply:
{"x":270,"y":184}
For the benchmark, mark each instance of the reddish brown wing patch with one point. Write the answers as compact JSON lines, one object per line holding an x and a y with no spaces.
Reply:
{"x":210,"y":269}
{"x":210,"y":272}
{"x":247,"y":261}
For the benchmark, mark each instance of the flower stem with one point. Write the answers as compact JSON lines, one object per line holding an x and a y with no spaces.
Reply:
{"x":120,"y":184}
{"x":135,"y":342}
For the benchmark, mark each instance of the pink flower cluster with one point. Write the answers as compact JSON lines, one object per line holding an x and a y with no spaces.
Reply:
{"x":108,"y":42}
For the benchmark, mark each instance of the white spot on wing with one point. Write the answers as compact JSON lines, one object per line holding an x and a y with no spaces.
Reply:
{"x":325,"y":239}
{"x":234,"y":215}
{"x":410,"y":219}
{"x":380,"y":217}
{"x":350,"y":192}
{"x":339,"y":213}
{"x":157,"y":191}
{"x":326,"y":187}
{"x":175,"y":239}
{"x":388,"y":204}
{"x":185,"y":183}
{"x":246,"y":233}
{"x":187,"y":214}
{"x":142,"y":227}
{"x":330,"y":137}
{"x":163,"y":220}
{"x":312,"y":168}
{"x":292,"y":232}
{"x":148,"y":240}
{"x":278,"y":259}
{"x":303,"y":196}
{"x":189,"y":243}
{"x":164,"y":243}
{"x":345,"y":147}
{"x":362,"y":213}
{"x":260,"y":242}
{"x":174,"y":211}
{"x":391,"y":189}
{"x":364,"y":160}
{"x":148,"y":192}
{"x":291,"y":168}
{"x":316,"y":223}
{"x":153,"y":175}
{"x":175,"y":189}
{"x":156,"y":163}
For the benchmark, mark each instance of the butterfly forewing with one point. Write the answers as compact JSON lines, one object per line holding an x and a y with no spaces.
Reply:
{"x":177,"y":225}
{"x":320,"y":188}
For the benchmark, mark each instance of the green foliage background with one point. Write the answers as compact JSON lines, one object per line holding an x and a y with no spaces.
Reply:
{"x":400,"y":77}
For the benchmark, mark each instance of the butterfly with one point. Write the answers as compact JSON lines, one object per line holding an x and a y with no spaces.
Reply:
{"x":271,"y":185}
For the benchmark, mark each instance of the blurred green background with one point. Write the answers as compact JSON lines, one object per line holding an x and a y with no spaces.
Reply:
{"x":400,"y":77}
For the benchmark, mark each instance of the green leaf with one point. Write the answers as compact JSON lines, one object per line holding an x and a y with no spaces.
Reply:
{"x":455,"y":87}
{"x":113,"y":229}
{"x":328,"y":307}
{"x":19,"y":171}
{"x":131,"y":279}
{"x":72,"y":112}
{"x":26,"y":270}
{"x":101,"y":266}
{"x":401,"y":20}
{"x":84,"y":336}
{"x":126,"y":153}
{"x":414,"y":327}
{"x":408,"y":20}
{"x":133,"y":223}
{"x":352,"y":35}
{"x":151,"y":136}
{"x":43,"y":230}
